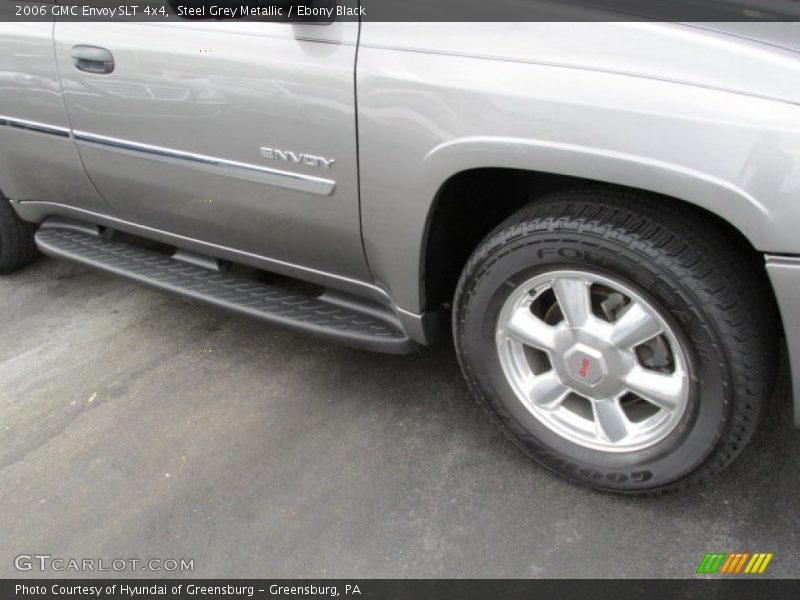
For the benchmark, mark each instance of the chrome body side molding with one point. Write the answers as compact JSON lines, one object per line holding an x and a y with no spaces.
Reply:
{"x":33,"y":126}
{"x":286,"y":179}
{"x":294,"y":181}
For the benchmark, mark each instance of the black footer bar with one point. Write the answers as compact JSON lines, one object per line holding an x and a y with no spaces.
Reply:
{"x":388,"y":589}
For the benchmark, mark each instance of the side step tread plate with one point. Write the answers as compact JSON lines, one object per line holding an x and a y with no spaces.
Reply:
{"x":314,"y":315}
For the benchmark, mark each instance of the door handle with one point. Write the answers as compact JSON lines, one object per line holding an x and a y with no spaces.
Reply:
{"x":92,"y":59}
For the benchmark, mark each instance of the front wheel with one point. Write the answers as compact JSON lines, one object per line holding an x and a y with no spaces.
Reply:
{"x":622,"y":345}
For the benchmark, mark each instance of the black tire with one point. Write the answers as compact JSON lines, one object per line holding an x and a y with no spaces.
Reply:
{"x":710,"y":286}
{"x":17,"y":246}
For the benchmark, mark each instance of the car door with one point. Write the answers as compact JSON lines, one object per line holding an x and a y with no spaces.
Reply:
{"x":239,"y":134}
{"x":39,"y":162}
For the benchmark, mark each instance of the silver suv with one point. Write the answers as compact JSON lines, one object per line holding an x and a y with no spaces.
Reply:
{"x":605,"y":214}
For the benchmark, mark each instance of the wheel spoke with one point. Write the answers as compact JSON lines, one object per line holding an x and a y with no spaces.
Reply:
{"x":662,"y":389}
{"x":612,"y":424}
{"x":573,"y":299}
{"x":634,"y":327}
{"x":528,"y":329}
{"x":626,"y":363}
{"x":546,"y":391}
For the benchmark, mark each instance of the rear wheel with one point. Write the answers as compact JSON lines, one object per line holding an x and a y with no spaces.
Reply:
{"x":17,"y":247}
{"x":622,"y":345}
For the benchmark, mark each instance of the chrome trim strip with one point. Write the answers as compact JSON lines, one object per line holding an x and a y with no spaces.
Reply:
{"x":33,"y":126}
{"x":782,"y":260}
{"x":285,"y":179}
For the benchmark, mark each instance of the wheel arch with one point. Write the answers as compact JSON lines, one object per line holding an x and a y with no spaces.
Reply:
{"x":522,"y":169}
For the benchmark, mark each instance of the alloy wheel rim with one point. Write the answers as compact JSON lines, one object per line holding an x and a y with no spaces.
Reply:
{"x":593,"y":360}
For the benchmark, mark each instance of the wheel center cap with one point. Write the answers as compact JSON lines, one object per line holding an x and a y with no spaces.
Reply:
{"x":585,"y":365}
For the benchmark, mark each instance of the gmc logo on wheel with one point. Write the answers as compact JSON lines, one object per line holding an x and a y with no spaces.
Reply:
{"x":584,"y":368}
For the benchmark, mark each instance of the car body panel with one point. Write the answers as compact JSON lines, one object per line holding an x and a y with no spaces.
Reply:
{"x":784,"y":273}
{"x":784,"y":35}
{"x":176,"y":137}
{"x":38,"y":160}
{"x":715,"y":125}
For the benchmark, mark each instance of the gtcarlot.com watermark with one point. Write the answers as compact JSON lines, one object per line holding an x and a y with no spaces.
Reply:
{"x":47,"y":562}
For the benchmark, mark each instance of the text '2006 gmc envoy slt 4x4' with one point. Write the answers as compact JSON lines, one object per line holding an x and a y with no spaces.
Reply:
{"x":604,"y":214}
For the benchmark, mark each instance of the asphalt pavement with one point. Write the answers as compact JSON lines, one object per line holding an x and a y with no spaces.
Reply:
{"x":136,"y":425}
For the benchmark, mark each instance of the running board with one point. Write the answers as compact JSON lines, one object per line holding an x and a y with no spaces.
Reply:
{"x":346,"y":321}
